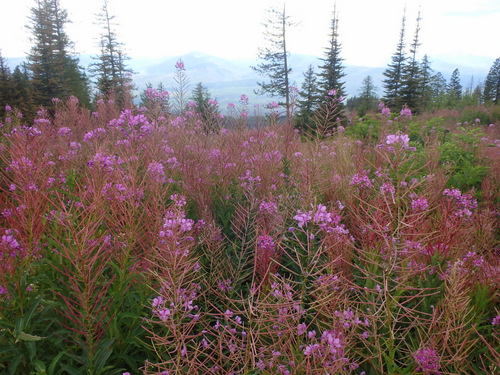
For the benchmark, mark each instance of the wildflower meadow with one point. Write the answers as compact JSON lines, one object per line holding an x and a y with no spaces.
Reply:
{"x":139,"y":241}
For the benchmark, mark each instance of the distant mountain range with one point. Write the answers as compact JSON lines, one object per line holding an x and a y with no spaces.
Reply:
{"x":228,"y":79}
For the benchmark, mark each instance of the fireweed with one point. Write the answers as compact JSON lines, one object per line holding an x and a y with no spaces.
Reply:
{"x":142,"y":239}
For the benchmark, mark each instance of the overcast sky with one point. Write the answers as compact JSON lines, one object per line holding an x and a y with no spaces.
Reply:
{"x":369,"y":29}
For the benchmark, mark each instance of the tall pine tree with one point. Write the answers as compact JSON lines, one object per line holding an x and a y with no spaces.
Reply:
{"x":274,"y":56}
{"x":454,"y":89}
{"x":425,"y":83}
{"x":368,"y":98}
{"x":394,"y":72}
{"x":5,"y":84}
{"x":411,"y":75}
{"x":332,"y":70}
{"x":308,"y":99}
{"x":492,"y":85}
{"x":55,"y":72}
{"x":109,"y":70}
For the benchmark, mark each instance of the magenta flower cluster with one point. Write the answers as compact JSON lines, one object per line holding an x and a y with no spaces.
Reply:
{"x":175,"y":221}
{"x":466,"y":203}
{"x":427,"y":361}
{"x":401,"y":139}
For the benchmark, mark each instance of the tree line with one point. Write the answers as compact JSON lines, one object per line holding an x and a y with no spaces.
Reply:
{"x":408,"y":81}
{"x":53,"y":71}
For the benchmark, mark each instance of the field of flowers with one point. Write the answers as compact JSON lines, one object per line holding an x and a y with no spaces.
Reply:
{"x":141,"y":242}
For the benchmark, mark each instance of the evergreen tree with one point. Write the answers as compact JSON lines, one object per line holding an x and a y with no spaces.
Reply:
{"x":332,"y":70}
{"x":425,"y":83}
{"x":22,"y":92}
{"x":274,"y":58}
{"x":200,"y":96}
{"x":368,"y":98}
{"x":110,"y":70}
{"x":55,"y":73}
{"x":454,"y":89}
{"x":308,"y":101}
{"x":492,"y":84}
{"x":438,"y":90}
{"x":5,"y":84}
{"x":411,"y":77}
{"x":394,"y":72}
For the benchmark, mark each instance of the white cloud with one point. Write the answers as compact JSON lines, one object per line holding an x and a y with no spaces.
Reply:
{"x":369,"y":30}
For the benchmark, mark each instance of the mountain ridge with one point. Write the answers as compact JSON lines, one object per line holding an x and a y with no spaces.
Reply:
{"x":228,"y":79}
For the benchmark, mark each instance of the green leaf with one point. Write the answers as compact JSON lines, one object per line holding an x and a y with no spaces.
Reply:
{"x":54,"y":363}
{"x":39,"y":367}
{"x":27,"y":337}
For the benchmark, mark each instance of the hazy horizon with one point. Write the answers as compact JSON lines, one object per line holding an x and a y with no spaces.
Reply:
{"x":450,"y":30}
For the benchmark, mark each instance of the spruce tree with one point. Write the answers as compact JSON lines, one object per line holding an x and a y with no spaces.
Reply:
{"x":425,"y":83}
{"x":368,"y":97}
{"x":109,"y":70}
{"x":394,"y":71}
{"x":454,"y":89}
{"x":492,"y":84}
{"x":274,"y":58}
{"x":438,"y":90}
{"x":411,"y":75}
{"x":55,"y":72}
{"x":22,"y":92}
{"x":332,"y":71}
{"x":5,"y":84}
{"x":308,"y":101}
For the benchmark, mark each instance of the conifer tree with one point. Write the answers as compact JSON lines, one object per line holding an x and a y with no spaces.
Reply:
{"x":200,"y":96}
{"x":22,"y":92}
{"x":368,"y":98}
{"x":454,"y":88}
{"x":438,"y":90}
{"x":5,"y":84}
{"x":109,"y":69}
{"x":308,"y":101}
{"x":425,"y":83}
{"x":274,"y":56}
{"x":411,"y":75}
{"x":332,"y":71}
{"x":492,"y":84}
{"x":55,"y":72}
{"x":394,"y":71}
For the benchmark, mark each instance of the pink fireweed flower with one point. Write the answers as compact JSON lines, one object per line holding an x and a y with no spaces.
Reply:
{"x":405,"y":113}
{"x":361,"y":180}
{"x":64,"y":131}
{"x":401,"y":139}
{"x":303,"y":218}
{"x":419,"y":204}
{"x":427,"y":361}
{"x":180,"y":65}
{"x":158,"y":301}
{"x":164,"y":314}
{"x":268,"y":208}
{"x":387,"y":188}
{"x":272,"y":105}
{"x":332,"y":92}
{"x":466,"y":202}
{"x":301,"y":328}
{"x":244,"y":99}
